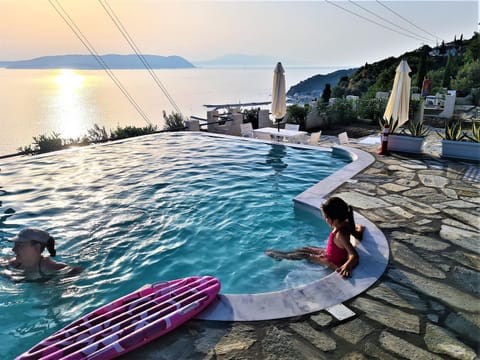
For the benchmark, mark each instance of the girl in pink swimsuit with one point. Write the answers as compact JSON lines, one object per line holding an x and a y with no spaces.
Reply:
{"x":339,"y":255}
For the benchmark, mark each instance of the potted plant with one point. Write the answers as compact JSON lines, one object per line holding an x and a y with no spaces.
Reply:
{"x":409,"y":139}
{"x":460,"y":144}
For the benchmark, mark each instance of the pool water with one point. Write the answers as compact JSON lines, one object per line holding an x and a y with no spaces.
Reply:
{"x":156,"y":208}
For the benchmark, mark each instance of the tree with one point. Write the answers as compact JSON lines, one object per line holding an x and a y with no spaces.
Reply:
{"x":448,"y":73}
{"x":422,"y":66}
{"x":327,"y":93}
{"x":473,"y":48}
{"x":443,"y":48}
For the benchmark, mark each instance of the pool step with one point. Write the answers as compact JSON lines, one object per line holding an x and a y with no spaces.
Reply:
{"x":340,"y":312}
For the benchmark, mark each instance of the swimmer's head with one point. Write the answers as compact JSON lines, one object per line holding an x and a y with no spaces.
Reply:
{"x":36,"y":236}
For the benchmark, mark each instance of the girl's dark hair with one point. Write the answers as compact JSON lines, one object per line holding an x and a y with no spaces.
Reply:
{"x":50,"y":245}
{"x":337,"y":209}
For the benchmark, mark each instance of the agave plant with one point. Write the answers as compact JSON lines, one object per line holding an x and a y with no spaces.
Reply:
{"x":475,"y":137}
{"x":453,"y":131}
{"x":393,"y":124}
{"x":416,"y":129}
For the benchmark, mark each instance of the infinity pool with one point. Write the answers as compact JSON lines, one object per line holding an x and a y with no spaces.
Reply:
{"x":154,"y":208}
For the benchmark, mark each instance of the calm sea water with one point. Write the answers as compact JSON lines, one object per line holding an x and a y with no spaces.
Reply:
{"x":69,"y":102}
{"x":171,"y":210}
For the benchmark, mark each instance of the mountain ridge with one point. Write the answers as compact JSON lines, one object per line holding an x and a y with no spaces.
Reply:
{"x":89,"y":62}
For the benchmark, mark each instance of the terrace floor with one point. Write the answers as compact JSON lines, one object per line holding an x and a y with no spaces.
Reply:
{"x":425,"y":305}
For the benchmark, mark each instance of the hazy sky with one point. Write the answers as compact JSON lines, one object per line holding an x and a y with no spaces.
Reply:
{"x":312,"y":32}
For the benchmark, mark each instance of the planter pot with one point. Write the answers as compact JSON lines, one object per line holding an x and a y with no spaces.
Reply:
{"x":461,"y":150}
{"x":404,"y":143}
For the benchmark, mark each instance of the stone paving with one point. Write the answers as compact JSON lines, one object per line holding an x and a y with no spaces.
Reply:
{"x":425,"y":306}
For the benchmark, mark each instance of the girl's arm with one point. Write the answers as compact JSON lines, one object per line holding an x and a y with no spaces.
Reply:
{"x":343,"y":240}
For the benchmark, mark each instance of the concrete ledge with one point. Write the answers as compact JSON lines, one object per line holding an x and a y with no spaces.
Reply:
{"x":315,"y":195}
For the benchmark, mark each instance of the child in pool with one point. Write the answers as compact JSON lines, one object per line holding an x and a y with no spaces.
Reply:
{"x":28,"y":247}
{"x":339,"y":255}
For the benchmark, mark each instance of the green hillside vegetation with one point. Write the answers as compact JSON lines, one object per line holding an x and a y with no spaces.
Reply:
{"x":449,"y":66}
{"x":455,"y":65}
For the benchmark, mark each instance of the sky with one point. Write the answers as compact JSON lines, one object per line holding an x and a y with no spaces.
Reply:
{"x":316,"y":33}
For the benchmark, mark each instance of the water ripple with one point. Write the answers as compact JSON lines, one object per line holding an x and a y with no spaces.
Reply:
{"x":154,"y":208}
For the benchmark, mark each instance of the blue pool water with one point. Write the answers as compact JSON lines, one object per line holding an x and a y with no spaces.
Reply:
{"x":154,"y":208}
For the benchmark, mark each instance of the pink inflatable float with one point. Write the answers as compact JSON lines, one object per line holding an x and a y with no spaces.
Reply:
{"x":129,"y":322}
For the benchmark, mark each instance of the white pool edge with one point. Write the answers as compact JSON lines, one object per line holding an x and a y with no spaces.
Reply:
{"x":329,"y":290}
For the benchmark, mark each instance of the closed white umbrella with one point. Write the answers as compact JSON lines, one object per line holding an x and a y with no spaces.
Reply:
{"x":398,"y":102}
{"x":279,"y":98}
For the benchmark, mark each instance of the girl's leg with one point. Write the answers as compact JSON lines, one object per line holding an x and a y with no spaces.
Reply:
{"x":298,"y":254}
{"x":358,"y":233}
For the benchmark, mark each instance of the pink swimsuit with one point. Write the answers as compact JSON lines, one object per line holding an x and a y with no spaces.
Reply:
{"x":334,"y":254}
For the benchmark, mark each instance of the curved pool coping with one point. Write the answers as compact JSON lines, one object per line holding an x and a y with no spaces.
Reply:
{"x":329,"y":290}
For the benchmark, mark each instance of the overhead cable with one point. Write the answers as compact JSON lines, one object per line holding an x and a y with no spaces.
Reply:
{"x":401,"y":17}
{"x":372,"y":21}
{"x":390,"y":22}
{"x":108,"y":9}
{"x":83,"y":39}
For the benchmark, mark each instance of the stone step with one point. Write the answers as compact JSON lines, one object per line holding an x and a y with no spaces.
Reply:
{"x":340,"y":312}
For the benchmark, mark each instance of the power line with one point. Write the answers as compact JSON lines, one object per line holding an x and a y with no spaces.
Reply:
{"x":388,"y":21}
{"x":401,"y":17}
{"x":373,"y":22}
{"x":108,"y":9}
{"x":83,"y":39}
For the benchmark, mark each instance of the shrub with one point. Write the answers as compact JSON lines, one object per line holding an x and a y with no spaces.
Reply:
{"x":413,"y":107}
{"x":298,"y":115}
{"x":437,"y":77}
{"x":174,"y":121}
{"x":468,"y":77}
{"x":340,"y":112}
{"x":476,"y":96}
{"x":251,"y":115}
{"x":97,"y":134}
{"x":131,"y":131}
{"x":372,"y":109}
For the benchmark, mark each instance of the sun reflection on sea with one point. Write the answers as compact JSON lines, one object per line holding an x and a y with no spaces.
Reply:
{"x":67,"y":107}
{"x":68,"y":80}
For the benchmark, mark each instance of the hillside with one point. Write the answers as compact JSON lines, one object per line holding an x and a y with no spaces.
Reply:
{"x":453,"y":65}
{"x":314,"y":85}
{"x":113,"y":61}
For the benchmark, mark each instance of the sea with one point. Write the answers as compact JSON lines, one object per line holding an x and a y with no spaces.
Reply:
{"x":68,"y":102}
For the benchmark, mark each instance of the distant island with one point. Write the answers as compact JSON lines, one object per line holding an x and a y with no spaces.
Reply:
{"x":249,"y":61}
{"x":88,"y":62}
{"x":239,"y":60}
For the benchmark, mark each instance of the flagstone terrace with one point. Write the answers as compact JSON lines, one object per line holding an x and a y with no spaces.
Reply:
{"x":425,"y":306}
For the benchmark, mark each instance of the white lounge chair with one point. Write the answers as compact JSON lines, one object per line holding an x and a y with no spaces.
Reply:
{"x":295,"y":139}
{"x":295,"y":127}
{"x":343,"y":138}
{"x":262,"y":136}
{"x":246,"y":129}
{"x":314,"y":138}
